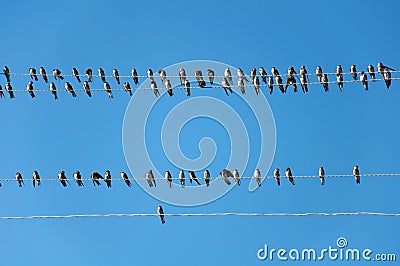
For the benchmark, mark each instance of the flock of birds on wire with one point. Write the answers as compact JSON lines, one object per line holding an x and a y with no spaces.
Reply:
{"x":225,"y":174}
{"x":270,"y":80}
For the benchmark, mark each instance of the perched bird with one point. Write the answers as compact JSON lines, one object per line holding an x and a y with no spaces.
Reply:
{"x":150,"y":74}
{"x":322,"y":175}
{"x":42,"y":72}
{"x":95,"y":176}
{"x":1,"y":92}
{"x":325,"y":82}
{"x":277,"y":176}
{"x":163,"y":75}
{"x":207,"y":177}
{"x":29,"y":88}
{"x":116,"y":75}
{"x":270,"y":84}
{"x":36,"y":178}
{"x":108,"y":89}
{"x":353,"y":71}
{"x":125,"y":177}
{"x":236,"y":176}
{"x":364,"y":79}
{"x":256,"y":82}
{"x":89,"y":74}
{"x":150,"y":178}
{"x":168,"y":87}
{"x":135,"y":76}
{"x":182,"y":75}
{"x":371,"y":72}
{"x":278,"y":79}
{"x":241,"y":75}
{"x":76,"y":74}
{"x":182,"y":178}
{"x":381,"y":67}
{"x":53,"y":90}
{"x":192,"y":176}
{"x":86,"y":87}
{"x":102,"y":75}
{"x":303,"y":78}
{"x":226,"y":86}
{"x":199,"y":77}
{"x":339,"y":77}
{"x":57,"y":74}
{"x":69,"y":88}
{"x":19,"y":178}
{"x":62,"y":178}
{"x":291,"y":81}
{"x":10,"y":90}
{"x":228,"y":75}
{"x":168,"y":177}
{"x":356,"y":174}
{"x":187,"y":87}
{"x":253,"y":74}
{"x":225,"y":174}
{"x":387,"y":76}
{"x":257,"y":176}
{"x":127,"y":88}
{"x":291,"y":72}
{"x":32,"y":73}
{"x":160,"y":213}
{"x":263,"y":74}
{"x":211,"y":76}
{"x":289,"y":175}
{"x":318,"y":71}
{"x":153,"y":85}
{"x":78,"y":178}
{"x":241,"y":86}
{"x":107,"y":178}
{"x":6,"y":73}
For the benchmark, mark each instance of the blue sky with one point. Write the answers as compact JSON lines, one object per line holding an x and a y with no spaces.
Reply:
{"x":335,"y":129}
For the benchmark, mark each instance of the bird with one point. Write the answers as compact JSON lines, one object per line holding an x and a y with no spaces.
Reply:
{"x":278,"y":79}
{"x":211,"y":76}
{"x":241,"y":75}
{"x":263,"y":74}
{"x":236,"y":176}
{"x":19,"y":178}
{"x":127,"y":88}
{"x":76,"y":74}
{"x":160,"y":213}
{"x":78,"y":178}
{"x":371,"y":72}
{"x":226,"y":86}
{"x":153,"y":86}
{"x":108,"y":89}
{"x":381,"y":67}
{"x":270,"y":84}
{"x":29,"y":88}
{"x":32,"y":73}
{"x":256,"y":83}
{"x":116,"y":75}
{"x":53,"y":90}
{"x":187,"y":87}
{"x":207,"y":177}
{"x":102,"y":75}
{"x":10,"y":90}
{"x":291,"y":72}
{"x":62,"y":178}
{"x":303,"y":78}
{"x":290,"y":80}
{"x":225,"y":174}
{"x":95,"y":176}
{"x":86,"y":87}
{"x":353,"y":71}
{"x":253,"y":73}
{"x":241,"y":86}
{"x":257,"y":176}
{"x":364,"y":79}
{"x":6,"y":73}
{"x":168,"y":87}
{"x":277,"y":176}
{"x":322,"y":175}
{"x":325,"y":82}
{"x":36,"y":178}
{"x":150,"y":74}
{"x":289,"y":175}
{"x":135,"y":76}
{"x":1,"y":92}
{"x":182,"y":75}
{"x":125,"y":177}
{"x":150,"y":178}
{"x":42,"y":72}
{"x":199,"y":77}
{"x":356,"y":174}
{"x":163,"y":75}
{"x":107,"y":178}
{"x":57,"y":74}
{"x":182,"y":178}
{"x":89,"y":74}
{"x":192,"y":176}
{"x":318,"y":71}
{"x":339,"y":77}
{"x":387,"y":76}
{"x":69,"y":88}
{"x":228,"y":75}
{"x":168,"y":177}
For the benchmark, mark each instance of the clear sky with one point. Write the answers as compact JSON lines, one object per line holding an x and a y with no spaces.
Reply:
{"x":335,"y":129}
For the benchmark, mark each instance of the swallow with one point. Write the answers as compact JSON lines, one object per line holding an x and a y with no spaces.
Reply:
{"x":95,"y":176}
{"x":291,"y":81}
{"x":108,"y":89}
{"x":253,"y":74}
{"x":29,"y":88}
{"x":163,"y":75}
{"x":69,"y":88}
{"x":387,"y":76}
{"x":270,"y":84}
{"x":187,"y":87}
{"x":127,"y":88}
{"x":263,"y":74}
{"x":339,"y":77}
{"x":19,"y":179}
{"x":36,"y":178}
{"x":153,"y":85}
{"x":135,"y":76}
{"x":182,"y":75}
{"x":102,"y":75}
{"x":78,"y":178}
{"x":356,"y":174}
{"x":381,"y":67}
{"x":228,"y":75}
{"x":371,"y":72}
{"x":256,"y":82}
{"x":236,"y":176}
{"x":107,"y":178}
{"x":86,"y":87}
{"x":150,"y":74}
{"x":168,"y":87}
{"x":226,"y":86}
{"x":168,"y":177}
{"x":42,"y":72}
{"x":289,"y":175}
{"x":125,"y":177}
{"x":76,"y":74}
{"x":160,"y":213}
{"x":6,"y":73}
{"x":57,"y":74}
{"x":1,"y":92}
{"x":241,"y":75}
{"x":303,"y":78}
{"x":150,"y":178}
{"x":225,"y":174}
{"x":199,"y":77}
{"x":257,"y":176}
{"x":291,"y":72}
{"x":277,"y":176}
{"x":89,"y":74}
{"x":241,"y":86}
{"x":318,"y":71}
{"x":353,"y":71}
{"x":192,"y":176}
{"x":62,"y":178}
{"x":10,"y":90}
{"x":278,"y":79}
{"x":322,"y":175}
{"x":116,"y":75}
{"x":325,"y":82}
{"x":182,"y":178}
{"x":364,"y":79}
{"x":207,"y":177}
{"x":32,"y":73}
{"x":53,"y":90}
{"x":211,"y":76}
